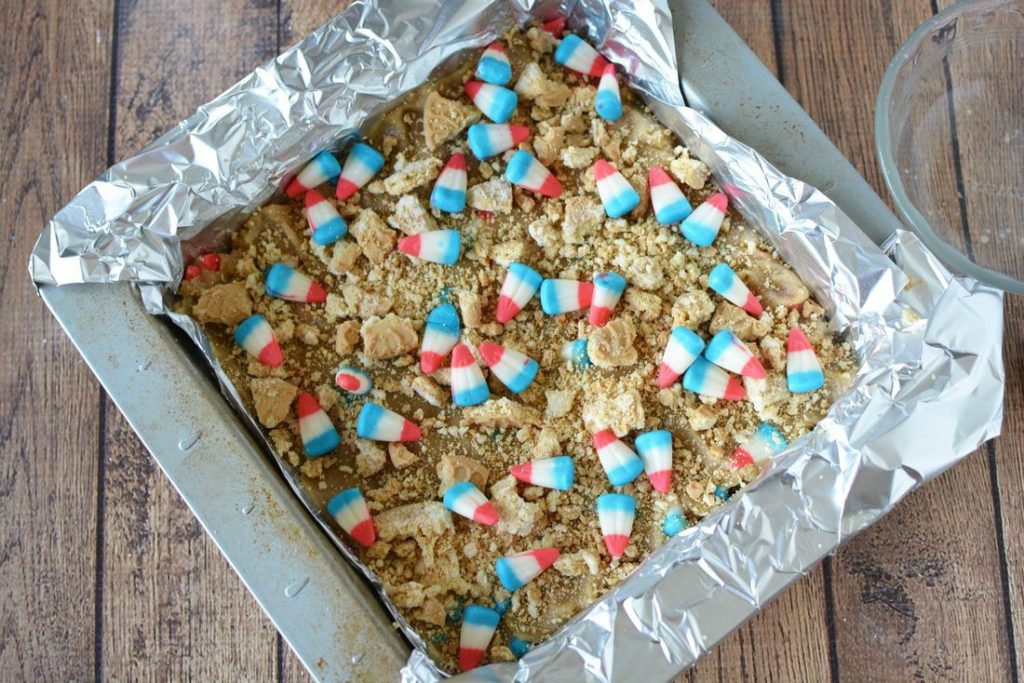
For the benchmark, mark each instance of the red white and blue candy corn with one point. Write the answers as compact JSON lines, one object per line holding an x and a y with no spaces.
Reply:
{"x":525,"y":171}
{"x":555,"y":27}
{"x":353,"y":380}
{"x":469,"y":388}
{"x":575,"y":54}
{"x":727,"y":351}
{"x":553,"y":473}
{"x":449,"y":193}
{"x":489,"y":139}
{"x":710,"y":380}
{"x":619,"y":461}
{"x":521,"y":283}
{"x":440,"y":335}
{"x":615,"y":512}
{"x":655,"y":450}
{"x":803,"y":372}
{"x":684,"y":346}
{"x":323,"y":168}
{"x":565,"y":296}
{"x":675,"y":521}
{"x":284,"y":282}
{"x":256,"y":336}
{"x":350,"y":511}
{"x":466,"y":499}
{"x":324,"y":220}
{"x":669,"y":202}
{"x":723,"y":280}
{"x":363,"y":162}
{"x":608,"y":288}
{"x":608,"y":101}
{"x":319,"y":436}
{"x":494,"y":66}
{"x":478,"y":627}
{"x":377,"y":423}
{"x":617,"y":195}
{"x":765,"y":442}
{"x":436,"y":246}
{"x":515,"y":571}
{"x":497,"y":103}
{"x":701,"y":227}
{"x":515,"y":370}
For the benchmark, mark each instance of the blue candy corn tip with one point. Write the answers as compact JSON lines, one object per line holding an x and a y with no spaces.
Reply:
{"x":565,"y":49}
{"x":341,"y":500}
{"x":803,"y":382}
{"x":578,"y":354}
{"x":721,"y":493}
{"x":610,"y":280}
{"x":330,"y":232}
{"x":452,"y":495}
{"x":494,"y":71}
{"x":482,"y":616}
{"x":718,"y":345}
{"x":452,"y":249}
{"x":328,"y":165}
{"x":608,"y":106}
{"x":627,"y":472}
{"x":527,"y":274}
{"x":246,"y":327}
{"x":518,"y":166}
{"x":688,"y":339}
{"x":772,"y":435}
{"x":373,"y":159}
{"x":507,"y":575}
{"x":654,"y":439}
{"x":277,"y":278}
{"x":622,"y":203}
{"x":447,"y":199}
{"x":479,"y":141}
{"x":675,"y":522}
{"x":366,"y":422}
{"x":616,"y":501}
{"x":720,"y":277}
{"x":471,"y":397}
{"x":525,"y":377}
{"x":701,"y":235}
{"x":444,"y":318}
{"x":323,"y":443}
{"x":504,"y":105}
{"x":519,"y":647}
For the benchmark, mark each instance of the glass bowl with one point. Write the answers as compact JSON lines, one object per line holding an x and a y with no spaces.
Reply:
{"x":949,"y":127}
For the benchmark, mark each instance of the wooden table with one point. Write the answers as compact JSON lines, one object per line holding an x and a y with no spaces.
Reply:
{"x":106,"y":574}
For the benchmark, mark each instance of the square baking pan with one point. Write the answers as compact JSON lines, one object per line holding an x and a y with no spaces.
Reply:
{"x":323,"y":608}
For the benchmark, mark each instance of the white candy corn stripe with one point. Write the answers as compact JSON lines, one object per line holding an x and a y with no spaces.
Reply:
{"x":319,"y":436}
{"x":565,"y":296}
{"x":655,"y":450}
{"x":468,"y":385}
{"x":436,"y":246}
{"x":449,"y":193}
{"x":440,"y":335}
{"x":803,"y":372}
{"x":710,"y":380}
{"x":284,"y":282}
{"x":323,"y":168}
{"x":521,"y":283}
{"x":701,"y":227}
{"x":256,"y":336}
{"x":489,"y":139}
{"x":377,"y":423}
{"x":675,"y":521}
{"x":324,"y":220}
{"x":350,"y":511}
{"x":608,"y":102}
{"x":497,"y":103}
{"x":515,"y":571}
{"x":727,"y":351}
{"x":608,"y":288}
{"x":723,"y":280}
{"x":525,"y":171}
{"x":553,"y":473}
{"x":619,"y":461}
{"x":353,"y":380}
{"x":765,"y":442}
{"x":512,"y":368}
{"x":684,"y":345}
{"x":615,"y":512}
{"x":669,"y":202}
{"x":478,"y":627}
{"x":575,"y":54}
{"x":466,"y":499}
{"x":617,"y":195}
{"x":362,"y":164}
{"x":494,"y":66}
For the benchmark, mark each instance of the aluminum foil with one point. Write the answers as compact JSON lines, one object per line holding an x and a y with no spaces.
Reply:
{"x":928,"y":391}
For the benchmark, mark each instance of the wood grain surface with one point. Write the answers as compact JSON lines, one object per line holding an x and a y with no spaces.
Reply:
{"x":107,"y":575}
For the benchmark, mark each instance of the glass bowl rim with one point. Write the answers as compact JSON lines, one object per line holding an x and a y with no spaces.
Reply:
{"x":947,"y":253}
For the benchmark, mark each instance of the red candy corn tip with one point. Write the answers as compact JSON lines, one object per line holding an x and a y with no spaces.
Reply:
{"x":412,"y":432}
{"x":555,"y":27}
{"x":192,"y":272}
{"x":604,"y":437}
{"x":271,"y":354}
{"x":602,"y":169}
{"x":719,"y":201}
{"x":472,"y":88}
{"x":666,"y":376}
{"x":616,"y":544}
{"x":734,"y":390}
{"x":661,"y":481}
{"x":740,"y":458}
{"x":210,"y":261}
{"x":363,"y":533}
{"x":317,"y":294}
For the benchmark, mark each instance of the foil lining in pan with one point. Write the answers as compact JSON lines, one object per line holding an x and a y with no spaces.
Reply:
{"x":929,"y":388}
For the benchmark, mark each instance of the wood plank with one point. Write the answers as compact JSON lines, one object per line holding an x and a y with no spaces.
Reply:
{"x":984,"y":83}
{"x":909,"y":603}
{"x":54,"y":120}
{"x":173,"y":609}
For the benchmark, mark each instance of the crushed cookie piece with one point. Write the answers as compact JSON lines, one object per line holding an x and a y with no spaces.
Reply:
{"x":517,"y":516}
{"x":364,"y":304}
{"x":401,"y":456}
{"x":693,"y":172}
{"x":346,"y":337}
{"x":428,"y":390}
{"x":370,"y":458}
{"x":344,"y":256}
{"x":578,"y":157}
{"x":772,"y":282}
{"x":734,"y":318}
{"x":692,"y":309}
{"x":272,"y":398}
{"x":548,"y":144}
{"x":375,"y":238}
{"x":774,"y":351}
{"x":227,"y":304}
{"x":452,"y":469}
{"x":443,"y":119}
{"x":494,"y":195}
{"x":583,"y":216}
{"x":501,"y":412}
{"x":546,"y":444}
{"x":412,"y":175}
{"x":559,"y":403}
{"x":410,"y":217}
{"x":388,"y":337}
{"x":471,"y":306}
{"x":701,"y":417}
{"x":647,"y":305}
{"x":621,"y":413}
{"x":612,"y":346}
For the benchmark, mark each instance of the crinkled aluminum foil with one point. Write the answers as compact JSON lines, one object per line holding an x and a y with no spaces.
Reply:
{"x":928,"y":391}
